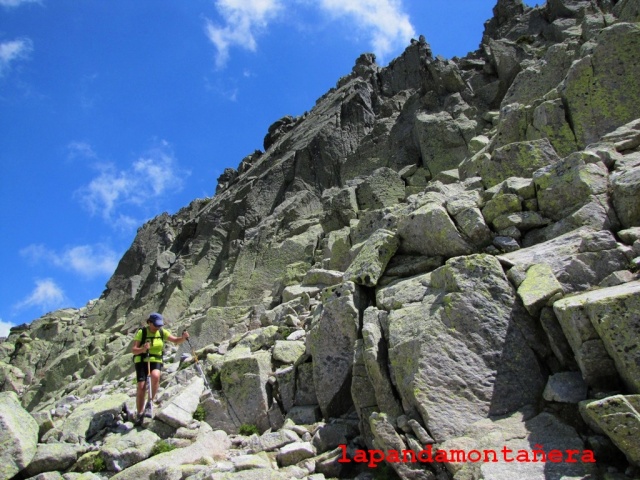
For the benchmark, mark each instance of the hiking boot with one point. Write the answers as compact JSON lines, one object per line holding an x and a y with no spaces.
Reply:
{"x":139,"y":419}
{"x":147,"y":409}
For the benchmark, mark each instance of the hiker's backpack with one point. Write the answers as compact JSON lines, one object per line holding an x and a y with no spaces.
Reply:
{"x":143,"y":340}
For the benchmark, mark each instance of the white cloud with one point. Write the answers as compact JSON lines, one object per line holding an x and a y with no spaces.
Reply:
{"x":80,"y":150}
{"x":243,"y":20}
{"x":12,"y":51}
{"x":150,"y":177}
{"x":125,"y":223}
{"x":16,"y":3}
{"x":5,"y":327}
{"x":88,"y":260}
{"x":382,"y":21}
{"x":46,"y":295}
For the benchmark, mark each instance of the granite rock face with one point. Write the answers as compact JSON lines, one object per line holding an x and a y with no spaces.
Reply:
{"x":440,"y":251}
{"x":456,"y":358}
{"x":18,"y":437}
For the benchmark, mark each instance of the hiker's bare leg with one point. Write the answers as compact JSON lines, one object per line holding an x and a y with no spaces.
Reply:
{"x":155,"y":382}
{"x":140,"y":392}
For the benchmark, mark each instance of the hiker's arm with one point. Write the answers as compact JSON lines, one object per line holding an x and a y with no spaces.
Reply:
{"x":137,"y":349}
{"x":179,"y":340}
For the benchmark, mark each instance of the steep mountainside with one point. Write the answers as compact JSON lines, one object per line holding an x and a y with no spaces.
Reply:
{"x":439,"y":252}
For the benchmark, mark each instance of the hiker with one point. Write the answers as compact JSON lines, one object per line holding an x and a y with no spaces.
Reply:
{"x":147,"y":347}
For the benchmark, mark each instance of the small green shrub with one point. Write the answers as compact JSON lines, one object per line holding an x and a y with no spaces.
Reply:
{"x":99,"y":464}
{"x":161,"y":447}
{"x":248,"y":429}
{"x":384,"y":472}
{"x":214,"y":380}
{"x":199,"y":414}
{"x":529,"y":39}
{"x":285,"y":331}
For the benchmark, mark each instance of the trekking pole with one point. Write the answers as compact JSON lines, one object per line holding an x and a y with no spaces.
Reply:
{"x":206,"y":384}
{"x":149,"y":389}
{"x":198,"y":367}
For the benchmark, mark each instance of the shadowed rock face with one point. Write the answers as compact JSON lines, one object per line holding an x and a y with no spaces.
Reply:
{"x":416,"y":259}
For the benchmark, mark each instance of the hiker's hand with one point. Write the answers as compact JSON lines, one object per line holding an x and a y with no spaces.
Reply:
{"x":147,"y":346}
{"x":185,"y":335}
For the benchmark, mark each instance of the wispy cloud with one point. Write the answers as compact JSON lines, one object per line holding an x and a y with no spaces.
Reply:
{"x":228,"y":91}
{"x":5,"y":327}
{"x":46,"y":295}
{"x":80,"y":150}
{"x":87,"y":260}
{"x":382,"y":21}
{"x":244,"y":19}
{"x":16,"y":3}
{"x":150,"y":177}
{"x":12,"y":51}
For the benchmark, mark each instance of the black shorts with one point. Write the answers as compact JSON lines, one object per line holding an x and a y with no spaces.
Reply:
{"x":142,"y":370}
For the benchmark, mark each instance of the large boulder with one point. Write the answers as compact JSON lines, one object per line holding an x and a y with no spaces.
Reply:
{"x":270,"y":441}
{"x":376,"y":361}
{"x":207,"y":444}
{"x":597,"y":367}
{"x":516,"y":159}
{"x":288,"y":351}
{"x":179,"y":411}
{"x":18,"y":436}
{"x":339,"y":207}
{"x":443,"y":140}
{"x":91,"y":418}
{"x":121,"y":451}
{"x":518,"y":436}
{"x":602,"y":90}
{"x":400,"y":293}
{"x":363,"y":393}
{"x":580,"y":259}
{"x":263,"y":258}
{"x":501,"y":204}
{"x":550,"y":121}
{"x":382,"y":188}
{"x":618,"y":417}
{"x":541,"y":76}
{"x":11,"y":378}
{"x":388,"y":439}
{"x":538,"y":287}
{"x":337,"y":248}
{"x":331,"y":342}
{"x":295,"y":452}
{"x":371,"y":261}
{"x":430,"y":231}
{"x":505,"y":56}
{"x":567,"y":185}
{"x":54,"y":457}
{"x":625,"y":185}
{"x":627,"y":10}
{"x":565,"y":387}
{"x":459,"y":356}
{"x":473,"y":227}
{"x":613,"y":314}
{"x":219,"y":414}
{"x":244,"y":376}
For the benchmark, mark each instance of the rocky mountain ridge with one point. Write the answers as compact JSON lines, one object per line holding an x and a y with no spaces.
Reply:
{"x":440,"y":252}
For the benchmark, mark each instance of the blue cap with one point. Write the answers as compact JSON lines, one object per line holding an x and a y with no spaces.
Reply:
{"x":156,"y":319}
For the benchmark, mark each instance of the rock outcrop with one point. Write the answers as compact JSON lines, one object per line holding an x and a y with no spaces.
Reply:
{"x":440,"y":255}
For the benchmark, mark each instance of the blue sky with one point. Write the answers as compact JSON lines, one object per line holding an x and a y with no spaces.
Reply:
{"x":113,"y":112}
